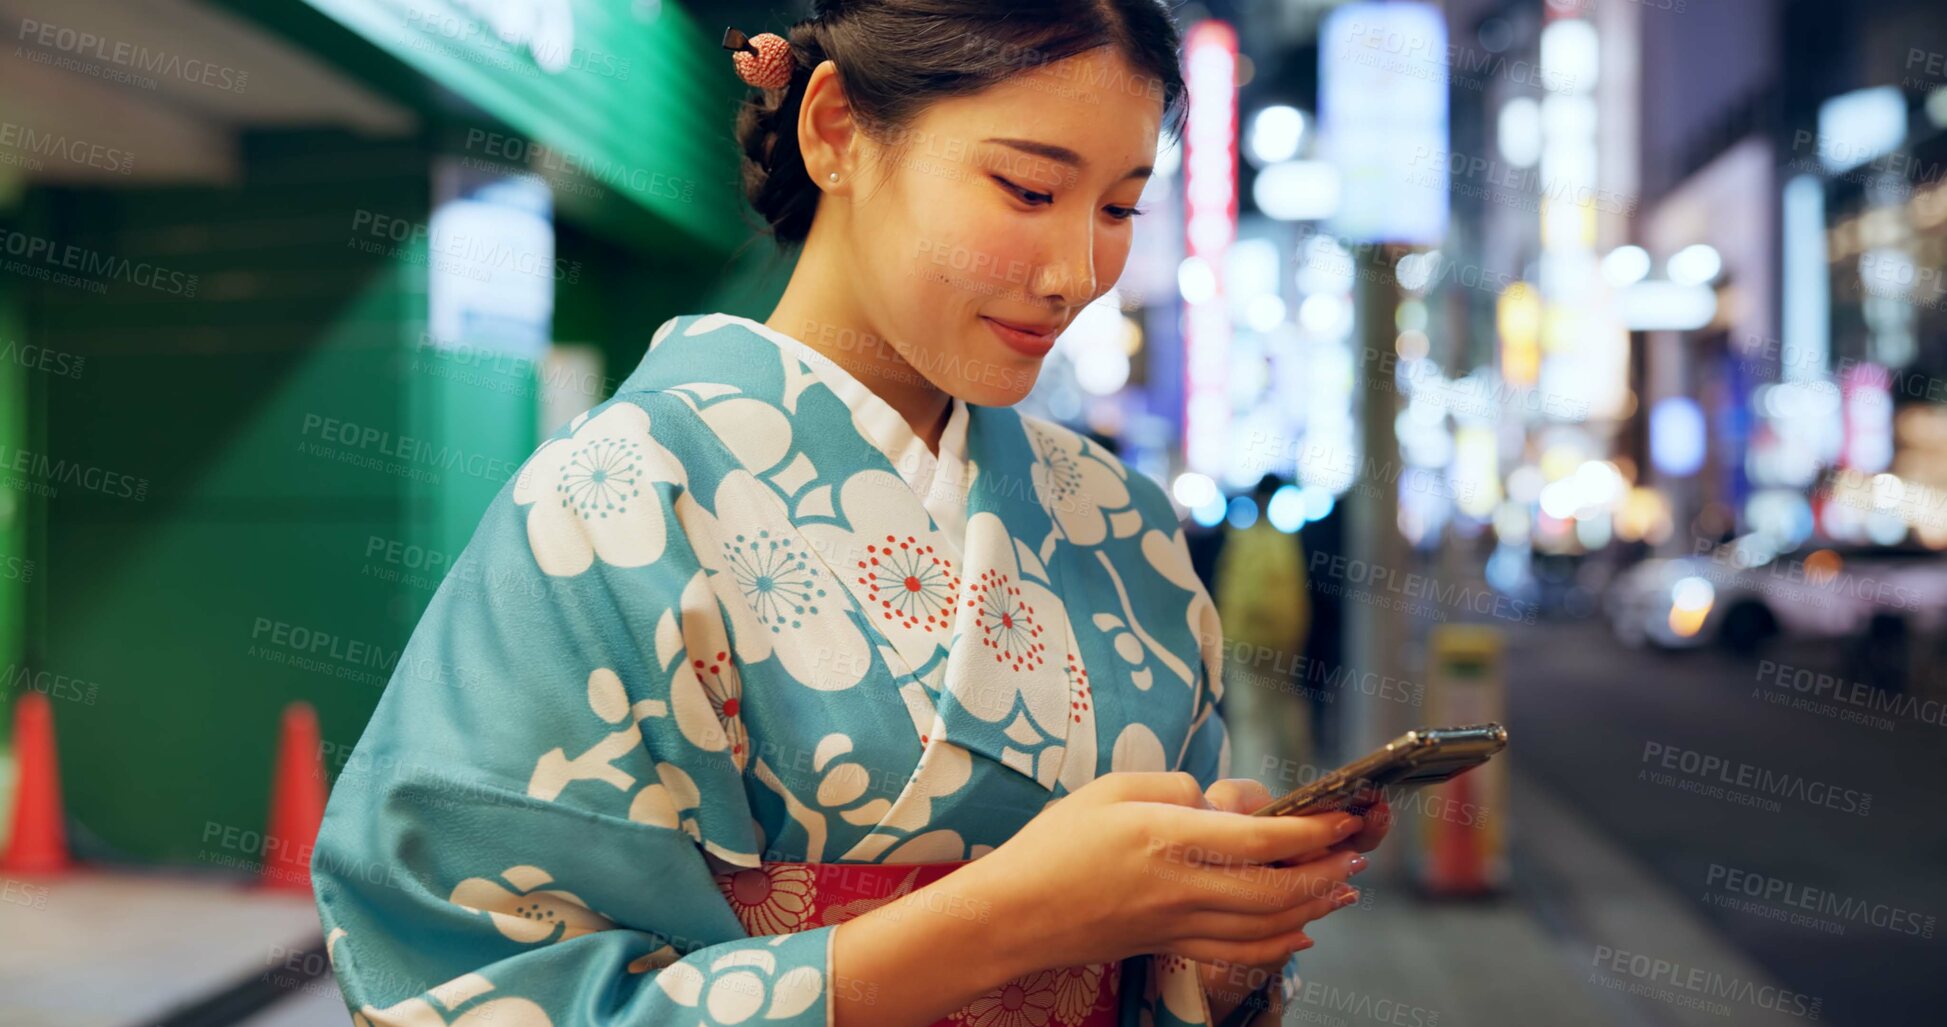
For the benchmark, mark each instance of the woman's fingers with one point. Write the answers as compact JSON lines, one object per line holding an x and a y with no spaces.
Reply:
{"x":1213,"y":836}
{"x":1378,"y":820}
{"x":1238,"y":795}
{"x":1175,"y":787}
{"x":1260,"y":889}
{"x":1228,"y":926}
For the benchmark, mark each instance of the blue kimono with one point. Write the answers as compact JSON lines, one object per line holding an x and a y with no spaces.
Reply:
{"x":740,"y":612}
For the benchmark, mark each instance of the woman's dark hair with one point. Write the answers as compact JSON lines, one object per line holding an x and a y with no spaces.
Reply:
{"x":897,"y":57}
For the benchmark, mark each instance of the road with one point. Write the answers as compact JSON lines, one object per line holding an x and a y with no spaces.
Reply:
{"x":1847,"y":889}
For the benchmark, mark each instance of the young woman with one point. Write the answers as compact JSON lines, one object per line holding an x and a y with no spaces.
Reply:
{"x":805,"y":682}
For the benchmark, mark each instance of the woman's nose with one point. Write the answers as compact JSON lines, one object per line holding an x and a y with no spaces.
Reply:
{"x":1067,"y":275}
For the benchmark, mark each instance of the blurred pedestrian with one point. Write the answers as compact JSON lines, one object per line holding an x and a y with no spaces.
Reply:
{"x":1265,"y":607}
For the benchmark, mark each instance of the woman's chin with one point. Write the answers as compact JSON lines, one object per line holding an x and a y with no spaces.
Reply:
{"x":1008,"y":385}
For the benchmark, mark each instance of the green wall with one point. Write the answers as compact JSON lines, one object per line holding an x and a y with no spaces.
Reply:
{"x":636,"y":106}
{"x":22,"y":368}
{"x":307,"y":468}
{"x":266,"y":558}
{"x":261,"y":566}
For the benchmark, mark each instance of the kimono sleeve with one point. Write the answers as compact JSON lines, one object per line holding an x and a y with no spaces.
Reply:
{"x":519,"y":838}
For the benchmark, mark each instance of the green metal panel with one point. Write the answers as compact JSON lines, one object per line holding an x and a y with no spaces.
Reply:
{"x":301,"y":502}
{"x":20,"y":362}
{"x":640,"y":106}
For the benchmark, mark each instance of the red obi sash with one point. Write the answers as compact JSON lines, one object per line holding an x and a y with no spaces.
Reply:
{"x":783,"y":898}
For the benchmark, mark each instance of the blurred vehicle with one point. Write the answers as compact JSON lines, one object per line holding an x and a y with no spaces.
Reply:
{"x":1740,"y":595}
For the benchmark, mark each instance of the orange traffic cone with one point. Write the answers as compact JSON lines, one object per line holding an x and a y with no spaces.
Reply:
{"x":1457,"y":863}
{"x":39,"y":841}
{"x":297,"y":802}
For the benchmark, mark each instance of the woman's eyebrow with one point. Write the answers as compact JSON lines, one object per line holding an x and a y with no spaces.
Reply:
{"x":1063,"y":155}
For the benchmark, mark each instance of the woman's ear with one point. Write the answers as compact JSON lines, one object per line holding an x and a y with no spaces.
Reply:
{"x":827,"y":134}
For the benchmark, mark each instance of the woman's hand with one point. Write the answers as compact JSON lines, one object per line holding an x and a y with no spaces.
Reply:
{"x":1378,"y":821}
{"x":1136,"y":863}
{"x":1227,"y":986}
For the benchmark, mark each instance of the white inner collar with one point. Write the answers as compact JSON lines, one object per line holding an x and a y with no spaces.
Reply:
{"x":940,"y":481}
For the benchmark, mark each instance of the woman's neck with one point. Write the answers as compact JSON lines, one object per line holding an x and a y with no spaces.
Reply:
{"x":815,"y":309}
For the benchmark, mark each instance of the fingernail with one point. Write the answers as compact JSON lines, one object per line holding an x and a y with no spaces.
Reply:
{"x":1348,"y":824}
{"x":1346,"y":898}
{"x":1303,"y":944}
{"x":1358,"y":863}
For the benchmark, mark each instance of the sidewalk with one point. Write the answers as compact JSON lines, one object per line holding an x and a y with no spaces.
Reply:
{"x":96,"y":949}
{"x":1528,"y":957}
{"x":1404,"y":959}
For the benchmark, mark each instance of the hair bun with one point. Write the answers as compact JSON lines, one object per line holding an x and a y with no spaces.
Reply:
{"x":773,"y":176}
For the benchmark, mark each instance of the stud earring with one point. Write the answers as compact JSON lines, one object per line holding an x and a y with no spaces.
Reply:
{"x":832,"y":177}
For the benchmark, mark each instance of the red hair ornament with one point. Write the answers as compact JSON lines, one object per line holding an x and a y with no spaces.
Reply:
{"x":763,"y":60}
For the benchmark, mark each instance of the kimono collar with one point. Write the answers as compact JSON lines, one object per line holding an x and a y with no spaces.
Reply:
{"x":939,"y":480}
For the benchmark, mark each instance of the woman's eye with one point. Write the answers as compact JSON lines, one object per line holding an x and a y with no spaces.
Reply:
{"x":1026,"y":194}
{"x":1119,"y":213}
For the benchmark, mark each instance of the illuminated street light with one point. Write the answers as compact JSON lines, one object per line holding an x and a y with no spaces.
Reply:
{"x":1696,"y":264}
{"x":1626,"y":265}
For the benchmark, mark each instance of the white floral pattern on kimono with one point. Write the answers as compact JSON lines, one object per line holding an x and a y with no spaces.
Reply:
{"x":750,"y":617}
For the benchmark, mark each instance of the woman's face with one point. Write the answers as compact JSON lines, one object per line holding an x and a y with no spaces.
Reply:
{"x":1010,"y":205}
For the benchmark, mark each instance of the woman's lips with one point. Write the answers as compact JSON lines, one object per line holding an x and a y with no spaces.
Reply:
{"x":1026,"y":341}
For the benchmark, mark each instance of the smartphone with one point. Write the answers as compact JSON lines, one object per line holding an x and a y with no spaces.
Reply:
{"x":1418,"y":757}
